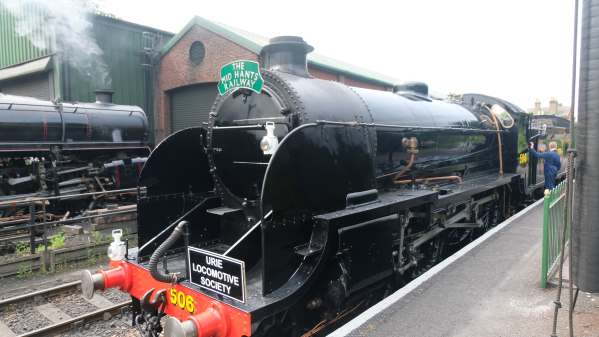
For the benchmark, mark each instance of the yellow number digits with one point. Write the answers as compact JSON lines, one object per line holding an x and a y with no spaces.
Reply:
{"x":189,"y":304}
{"x":523,"y":159}
{"x":181,"y":300}
{"x":173,"y":296}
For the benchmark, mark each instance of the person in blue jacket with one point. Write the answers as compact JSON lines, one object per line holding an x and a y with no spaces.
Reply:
{"x":551,"y":164}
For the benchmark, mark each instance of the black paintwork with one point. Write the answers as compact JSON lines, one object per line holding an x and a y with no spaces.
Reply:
{"x":324,"y":200}
{"x":51,"y":148}
{"x":27,"y":123}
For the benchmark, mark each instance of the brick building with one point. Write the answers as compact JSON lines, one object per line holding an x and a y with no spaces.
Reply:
{"x":190,"y":64}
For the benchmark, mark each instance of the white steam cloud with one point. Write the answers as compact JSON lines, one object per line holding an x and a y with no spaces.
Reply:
{"x":64,"y":27}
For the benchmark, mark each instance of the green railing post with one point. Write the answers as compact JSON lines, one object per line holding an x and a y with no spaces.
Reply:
{"x":545,"y":244}
{"x":554,"y":208}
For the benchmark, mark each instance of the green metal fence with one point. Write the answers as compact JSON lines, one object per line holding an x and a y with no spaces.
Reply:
{"x":554,"y":206}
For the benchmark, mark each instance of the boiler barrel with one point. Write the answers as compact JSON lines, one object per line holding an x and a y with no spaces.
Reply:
{"x":444,"y":130}
{"x":27,"y":121}
{"x":451,"y":138}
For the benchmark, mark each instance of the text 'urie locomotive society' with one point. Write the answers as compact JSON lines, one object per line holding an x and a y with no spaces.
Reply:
{"x":218,"y":273}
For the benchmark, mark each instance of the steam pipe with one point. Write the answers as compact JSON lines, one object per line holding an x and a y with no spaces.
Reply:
{"x":407,"y":168}
{"x":500,"y":145}
{"x":159,"y":252}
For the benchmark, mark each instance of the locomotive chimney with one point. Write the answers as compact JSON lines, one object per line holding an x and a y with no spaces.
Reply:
{"x":104,"y":95}
{"x":286,"y":54}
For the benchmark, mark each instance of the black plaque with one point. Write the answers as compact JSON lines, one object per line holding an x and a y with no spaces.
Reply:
{"x":218,"y":273}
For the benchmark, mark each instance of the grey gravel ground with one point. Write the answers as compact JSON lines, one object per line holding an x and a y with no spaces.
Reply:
{"x":118,"y":326}
{"x":73,"y":305}
{"x":115,"y":296}
{"x":23,"y":319}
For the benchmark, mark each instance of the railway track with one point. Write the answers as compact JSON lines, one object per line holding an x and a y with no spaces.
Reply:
{"x":52,"y":306}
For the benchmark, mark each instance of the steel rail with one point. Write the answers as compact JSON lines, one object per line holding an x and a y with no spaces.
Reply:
{"x":57,"y":289}
{"x":66,"y":325}
{"x":13,"y":237}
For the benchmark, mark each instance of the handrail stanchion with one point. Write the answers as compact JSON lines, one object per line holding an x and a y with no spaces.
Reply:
{"x":545,"y":244}
{"x":32,"y":228}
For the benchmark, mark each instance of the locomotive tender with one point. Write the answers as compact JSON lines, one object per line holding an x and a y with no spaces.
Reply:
{"x":58,"y":148}
{"x":304,"y":203}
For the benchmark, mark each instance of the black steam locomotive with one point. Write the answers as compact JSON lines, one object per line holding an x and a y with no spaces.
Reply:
{"x":52,"y":148}
{"x":303,"y":204}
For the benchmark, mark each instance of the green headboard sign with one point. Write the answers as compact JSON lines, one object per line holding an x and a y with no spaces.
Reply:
{"x":240,"y":74}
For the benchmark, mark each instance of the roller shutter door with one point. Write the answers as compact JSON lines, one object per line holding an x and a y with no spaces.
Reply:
{"x":191,"y":105}
{"x":38,"y":86}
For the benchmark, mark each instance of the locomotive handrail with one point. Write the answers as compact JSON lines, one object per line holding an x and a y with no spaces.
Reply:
{"x":407,"y":127}
{"x":256,"y":225}
{"x":72,"y":105}
{"x":260,"y":119}
{"x":171,"y":225}
{"x":107,"y":145}
{"x":239,"y":127}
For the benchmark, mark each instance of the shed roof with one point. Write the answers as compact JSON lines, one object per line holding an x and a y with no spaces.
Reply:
{"x":254,"y":43}
{"x":107,"y":18}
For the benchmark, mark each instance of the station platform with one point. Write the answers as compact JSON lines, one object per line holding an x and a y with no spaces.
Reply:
{"x":489,"y":288}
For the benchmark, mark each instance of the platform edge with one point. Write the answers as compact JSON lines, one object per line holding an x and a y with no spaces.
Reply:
{"x":408,"y":288}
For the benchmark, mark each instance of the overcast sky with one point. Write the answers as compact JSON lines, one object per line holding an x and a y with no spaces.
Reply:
{"x":519,"y":50}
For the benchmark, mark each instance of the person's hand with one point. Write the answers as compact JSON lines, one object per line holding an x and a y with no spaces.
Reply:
{"x":531,"y":145}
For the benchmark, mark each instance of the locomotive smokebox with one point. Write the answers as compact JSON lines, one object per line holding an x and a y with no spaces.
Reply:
{"x":104,"y":96}
{"x":287,"y":54}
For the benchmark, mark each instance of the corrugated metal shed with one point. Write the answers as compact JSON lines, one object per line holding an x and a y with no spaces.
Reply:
{"x":191,"y":105}
{"x":128,"y":50}
{"x":122,"y":44}
{"x":15,"y":48}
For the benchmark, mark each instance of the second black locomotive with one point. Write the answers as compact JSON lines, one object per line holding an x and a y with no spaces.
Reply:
{"x":56,"y":148}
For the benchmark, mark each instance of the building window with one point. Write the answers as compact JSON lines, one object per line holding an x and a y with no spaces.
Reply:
{"x":197,"y":52}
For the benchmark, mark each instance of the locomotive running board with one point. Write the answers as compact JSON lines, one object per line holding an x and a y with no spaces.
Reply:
{"x":388,"y":203}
